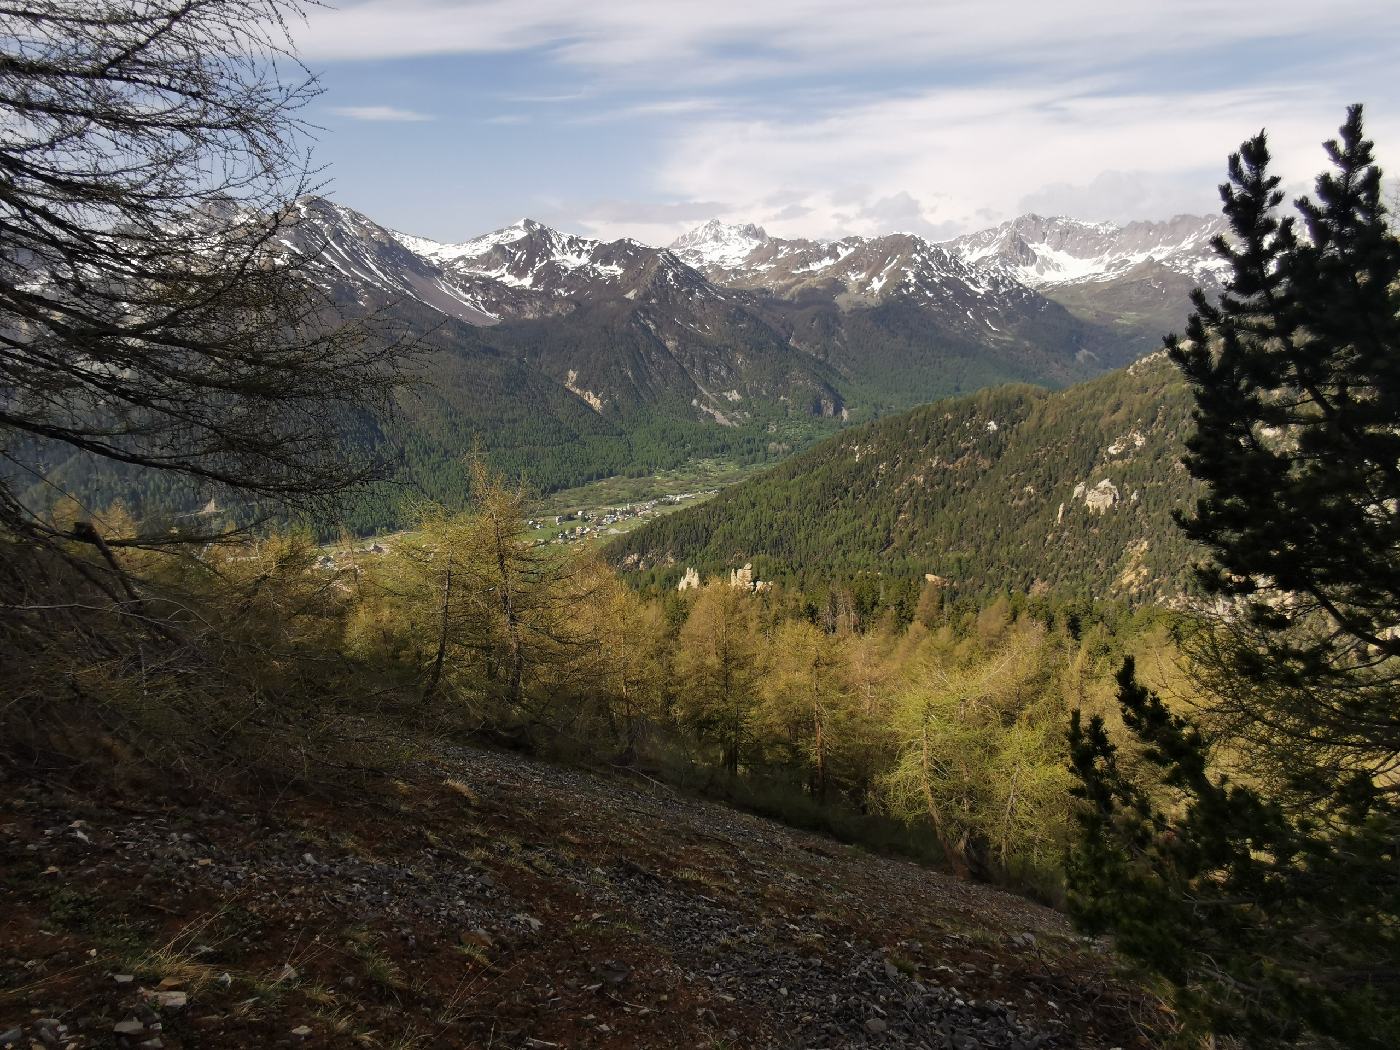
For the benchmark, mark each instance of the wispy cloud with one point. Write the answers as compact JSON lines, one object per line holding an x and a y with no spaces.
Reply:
{"x":736,"y":39}
{"x":381,"y":113}
{"x":823,"y":118}
{"x":659,"y":108}
{"x":942,"y":162}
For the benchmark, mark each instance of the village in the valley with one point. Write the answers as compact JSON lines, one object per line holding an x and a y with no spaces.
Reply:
{"x":578,"y":525}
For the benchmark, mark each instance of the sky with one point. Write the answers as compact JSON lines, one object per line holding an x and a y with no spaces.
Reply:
{"x":823,"y":118}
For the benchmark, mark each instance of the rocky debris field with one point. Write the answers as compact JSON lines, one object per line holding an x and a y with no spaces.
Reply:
{"x":488,"y":900}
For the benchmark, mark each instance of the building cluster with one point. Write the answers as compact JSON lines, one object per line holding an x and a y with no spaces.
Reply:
{"x":605,"y":522}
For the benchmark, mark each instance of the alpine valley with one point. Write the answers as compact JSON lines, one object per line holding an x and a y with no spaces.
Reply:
{"x":566,"y":359}
{"x":1011,"y":488}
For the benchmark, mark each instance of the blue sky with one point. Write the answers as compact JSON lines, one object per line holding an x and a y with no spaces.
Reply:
{"x":642,"y":118}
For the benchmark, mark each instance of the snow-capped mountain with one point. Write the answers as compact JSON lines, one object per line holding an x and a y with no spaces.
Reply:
{"x":535,"y":266}
{"x":617,"y":324}
{"x":715,"y":246}
{"x":1043,"y":253}
{"x":1136,"y":279}
{"x":526,"y":270}
{"x":363,"y":262}
{"x":904,"y":305}
{"x":868,"y":268}
{"x":569,"y":358}
{"x":728,"y":325}
{"x":861,"y":272}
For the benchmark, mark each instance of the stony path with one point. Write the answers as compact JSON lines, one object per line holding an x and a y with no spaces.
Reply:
{"x":486,"y":899}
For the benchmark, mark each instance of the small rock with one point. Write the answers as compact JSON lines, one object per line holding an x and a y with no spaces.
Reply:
{"x":130,"y":1026}
{"x":301,"y":1031}
{"x":123,"y":978}
{"x":614,"y":972}
{"x":875,"y":1026}
{"x":530,"y":921}
{"x":12,"y":1036}
{"x":287,"y":973}
{"x":172,"y":1000}
{"x":478,"y":939}
{"x":224,"y":980}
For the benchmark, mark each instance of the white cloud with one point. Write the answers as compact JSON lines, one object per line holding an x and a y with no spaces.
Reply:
{"x":380,"y":113}
{"x":735,"y":39}
{"x":1099,"y":108}
{"x":943,"y":162}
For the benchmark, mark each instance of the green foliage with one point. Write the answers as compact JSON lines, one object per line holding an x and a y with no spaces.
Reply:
{"x":977,"y":751}
{"x":227,"y":665}
{"x":1270,"y":924}
{"x":1250,"y":854}
{"x":717,"y":659}
{"x":280,"y":659}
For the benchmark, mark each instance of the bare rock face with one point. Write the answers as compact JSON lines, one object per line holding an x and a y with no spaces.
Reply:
{"x":690,"y":581}
{"x":1053,"y":251}
{"x":1102,"y":497}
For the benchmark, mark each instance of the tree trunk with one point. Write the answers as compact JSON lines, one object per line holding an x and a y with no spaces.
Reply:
{"x":515,"y":652}
{"x":430,"y":690}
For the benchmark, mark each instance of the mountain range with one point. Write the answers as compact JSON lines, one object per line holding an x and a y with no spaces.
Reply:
{"x":567,"y":359}
{"x":731,"y":326}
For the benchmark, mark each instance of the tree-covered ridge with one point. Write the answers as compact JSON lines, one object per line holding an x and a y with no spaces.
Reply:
{"x":1011,"y":487}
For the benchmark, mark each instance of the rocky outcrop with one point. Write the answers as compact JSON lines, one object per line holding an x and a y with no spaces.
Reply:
{"x":1101,"y":498}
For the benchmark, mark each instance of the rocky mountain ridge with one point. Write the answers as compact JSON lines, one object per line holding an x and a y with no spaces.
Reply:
{"x":1045,"y":252}
{"x":1134,"y":280}
{"x":729,"y":322}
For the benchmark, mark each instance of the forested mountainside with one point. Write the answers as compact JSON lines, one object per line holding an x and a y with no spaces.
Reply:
{"x":1013,"y":487}
{"x":566,"y":359}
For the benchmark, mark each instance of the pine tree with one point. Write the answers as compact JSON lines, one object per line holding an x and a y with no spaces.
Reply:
{"x":1252,"y":856}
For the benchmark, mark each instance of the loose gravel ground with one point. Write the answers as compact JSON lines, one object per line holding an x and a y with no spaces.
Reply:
{"x":487,"y":899}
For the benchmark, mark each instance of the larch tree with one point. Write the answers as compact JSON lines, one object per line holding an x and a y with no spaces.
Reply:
{"x":717,"y":665}
{"x":805,"y":701}
{"x":152,"y":319}
{"x":150,"y":313}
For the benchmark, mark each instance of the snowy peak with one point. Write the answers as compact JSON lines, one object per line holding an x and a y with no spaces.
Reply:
{"x":855,"y":272}
{"x":524,"y":271}
{"x":358,"y":259}
{"x":1044,"y":252}
{"x":718,"y":245}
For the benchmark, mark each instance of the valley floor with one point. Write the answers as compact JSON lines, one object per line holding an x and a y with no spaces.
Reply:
{"x":489,"y":900}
